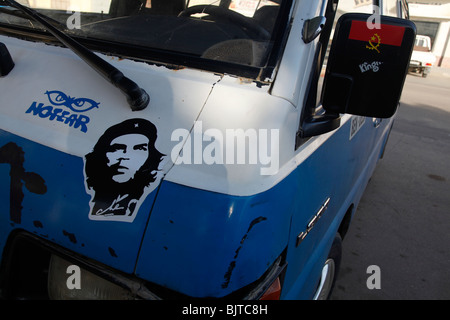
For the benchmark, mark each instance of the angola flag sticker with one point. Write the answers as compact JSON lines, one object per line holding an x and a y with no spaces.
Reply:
{"x":387,"y":35}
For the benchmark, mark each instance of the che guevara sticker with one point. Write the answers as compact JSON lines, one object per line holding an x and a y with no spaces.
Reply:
{"x":121,"y":170}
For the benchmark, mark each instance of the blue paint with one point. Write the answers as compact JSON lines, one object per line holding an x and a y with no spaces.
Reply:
{"x":196,"y":242}
{"x":64,"y":209}
{"x":59,"y":98}
{"x":206,"y":244}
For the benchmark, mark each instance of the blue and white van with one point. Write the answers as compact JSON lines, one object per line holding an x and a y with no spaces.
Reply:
{"x":166,"y":149}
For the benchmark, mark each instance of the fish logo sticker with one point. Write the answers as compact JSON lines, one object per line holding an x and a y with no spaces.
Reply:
{"x":122,"y":170}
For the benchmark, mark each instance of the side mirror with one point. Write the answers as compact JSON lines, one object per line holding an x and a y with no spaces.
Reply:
{"x":367,"y":68}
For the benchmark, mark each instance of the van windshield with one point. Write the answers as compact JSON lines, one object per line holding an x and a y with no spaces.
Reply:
{"x":233,"y":31}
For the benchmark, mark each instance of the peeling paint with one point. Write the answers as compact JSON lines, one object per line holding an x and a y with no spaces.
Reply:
{"x":38,"y":224}
{"x":14,"y":155}
{"x":71,"y":236}
{"x":232,"y":265}
{"x":112,"y":252}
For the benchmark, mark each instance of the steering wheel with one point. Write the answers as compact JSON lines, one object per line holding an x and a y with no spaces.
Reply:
{"x":222,"y":13}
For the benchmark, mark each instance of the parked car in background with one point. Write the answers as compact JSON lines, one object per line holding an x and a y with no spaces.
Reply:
{"x":422,"y":58}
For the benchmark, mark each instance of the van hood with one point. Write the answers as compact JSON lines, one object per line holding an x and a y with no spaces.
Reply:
{"x":73,"y":153}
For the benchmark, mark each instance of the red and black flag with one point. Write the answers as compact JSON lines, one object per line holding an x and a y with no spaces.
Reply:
{"x":385,"y":35}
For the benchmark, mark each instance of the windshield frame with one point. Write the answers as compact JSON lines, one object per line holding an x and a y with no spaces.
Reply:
{"x":170,"y":59}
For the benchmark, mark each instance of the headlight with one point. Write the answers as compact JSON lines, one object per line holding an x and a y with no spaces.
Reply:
{"x":67,"y":281}
{"x":268,"y":287}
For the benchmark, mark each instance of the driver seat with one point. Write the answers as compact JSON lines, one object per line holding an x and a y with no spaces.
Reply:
{"x":266,"y":16}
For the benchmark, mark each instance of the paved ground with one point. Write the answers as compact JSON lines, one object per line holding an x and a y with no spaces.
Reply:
{"x":403,"y":222}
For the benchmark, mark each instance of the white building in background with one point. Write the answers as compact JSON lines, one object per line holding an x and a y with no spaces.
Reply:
{"x":433,"y":20}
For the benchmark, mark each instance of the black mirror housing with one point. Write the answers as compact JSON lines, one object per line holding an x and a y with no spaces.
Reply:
{"x":6,"y":62}
{"x":367,"y":68}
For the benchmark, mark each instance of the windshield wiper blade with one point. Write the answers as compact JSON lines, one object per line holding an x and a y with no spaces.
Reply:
{"x":137,"y":98}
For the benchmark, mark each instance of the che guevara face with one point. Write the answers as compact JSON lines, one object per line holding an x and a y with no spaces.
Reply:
{"x":122,"y":169}
{"x":126,"y":155}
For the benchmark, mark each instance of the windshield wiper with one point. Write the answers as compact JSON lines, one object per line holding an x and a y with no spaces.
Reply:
{"x":137,"y":98}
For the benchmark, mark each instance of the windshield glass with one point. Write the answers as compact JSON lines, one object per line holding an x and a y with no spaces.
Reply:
{"x":236,"y":31}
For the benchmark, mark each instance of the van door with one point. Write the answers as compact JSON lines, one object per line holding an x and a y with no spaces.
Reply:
{"x":339,"y":163}
{"x":332,"y":178}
